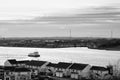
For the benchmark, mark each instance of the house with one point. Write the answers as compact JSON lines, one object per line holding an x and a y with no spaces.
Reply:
{"x":16,"y":73}
{"x":37,"y":66}
{"x":99,"y":72}
{"x":51,"y":68}
{"x":22,"y":74}
{"x":62,"y":69}
{"x":79,"y":70}
{"x":14,"y":62}
{"x":10,"y":62}
{"x":8,"y":73}
{"x":1,"y":73}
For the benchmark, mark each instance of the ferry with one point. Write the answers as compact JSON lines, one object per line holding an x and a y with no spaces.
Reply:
{"x":34,"y":54}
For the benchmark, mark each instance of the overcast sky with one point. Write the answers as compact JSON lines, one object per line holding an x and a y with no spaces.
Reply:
{"x":55,"y":18}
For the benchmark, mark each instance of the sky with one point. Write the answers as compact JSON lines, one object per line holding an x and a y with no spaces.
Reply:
{"x":55,"y":18}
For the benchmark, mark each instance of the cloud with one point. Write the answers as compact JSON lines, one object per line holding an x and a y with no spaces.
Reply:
{"x":104,"y":14}
{"x":93,"y":15}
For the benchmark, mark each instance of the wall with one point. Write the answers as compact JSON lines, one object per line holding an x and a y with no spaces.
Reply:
{"x":6,"y":63}
{"x":86,"y":72}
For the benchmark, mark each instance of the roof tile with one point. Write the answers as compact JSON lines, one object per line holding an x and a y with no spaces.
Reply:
{"x":78,"y":66}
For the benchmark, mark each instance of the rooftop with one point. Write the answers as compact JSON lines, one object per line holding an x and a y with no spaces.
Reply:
{"x":51,"y":65}
{"x":78,"y":66}
{"x":23,"y":62}
{"x":9,"y":68}
{"x":35,"y":63}
{"x":21,"y":70}
{"x":98,"y":68}
{"x":16,"y":69}
{"x":63,"y":65}
{"x":12,"y":61}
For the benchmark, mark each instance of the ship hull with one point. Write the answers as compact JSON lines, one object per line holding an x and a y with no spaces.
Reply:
{"x":34,"y":55}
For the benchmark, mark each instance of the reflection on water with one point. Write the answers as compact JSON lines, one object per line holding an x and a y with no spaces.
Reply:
{"x":79,"y":55}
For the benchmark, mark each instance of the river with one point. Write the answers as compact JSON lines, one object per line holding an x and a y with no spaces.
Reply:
{"x":78,"y":55}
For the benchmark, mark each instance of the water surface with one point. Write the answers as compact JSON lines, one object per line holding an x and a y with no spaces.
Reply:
{"x":79,"y":55}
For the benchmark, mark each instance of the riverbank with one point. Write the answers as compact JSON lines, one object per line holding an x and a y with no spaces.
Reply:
{"x":92,"y":43}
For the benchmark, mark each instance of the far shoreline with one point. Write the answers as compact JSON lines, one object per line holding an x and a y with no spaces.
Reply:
{"x":110,"y":44}
{"x":107,"y":49}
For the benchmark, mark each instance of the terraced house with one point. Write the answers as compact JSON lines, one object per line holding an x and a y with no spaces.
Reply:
{"x":16,"y":73}
{"x":99,"y":72}
{"x":51,"y":69}
{"x":62,"y":69}
{"x":79,"y":70}
{"x":37,"y":66}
